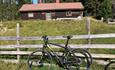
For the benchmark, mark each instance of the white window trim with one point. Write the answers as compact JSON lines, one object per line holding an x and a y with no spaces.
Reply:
{"x":30,"y":15}
{"x":69,"y":13}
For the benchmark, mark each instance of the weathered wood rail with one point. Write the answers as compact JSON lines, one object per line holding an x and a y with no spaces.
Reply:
{"x":98,"y":46}
{"x":91,"y":36}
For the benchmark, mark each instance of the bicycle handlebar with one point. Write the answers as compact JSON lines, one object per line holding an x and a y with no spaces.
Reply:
{"x":45,"y":39}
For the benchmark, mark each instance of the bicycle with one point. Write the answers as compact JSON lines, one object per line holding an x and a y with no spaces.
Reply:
{"x":66,"y":60}
{"x":109,"y":66}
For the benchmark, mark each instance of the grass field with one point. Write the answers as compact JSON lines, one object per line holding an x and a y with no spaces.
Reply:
{"x":54,"y":28}
{"x":40,"y":27}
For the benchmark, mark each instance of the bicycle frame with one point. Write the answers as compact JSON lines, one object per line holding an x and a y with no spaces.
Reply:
{"x":63,"y":59}
{"x":47,"y":49}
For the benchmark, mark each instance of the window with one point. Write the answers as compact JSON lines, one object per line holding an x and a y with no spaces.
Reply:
{"x":53,"y":13}
{"x":43,"y":13}
{"x":48,"y":1}
{"x":68,"y":13}
{"x":30,"y":15}
{"x":76,"y":12}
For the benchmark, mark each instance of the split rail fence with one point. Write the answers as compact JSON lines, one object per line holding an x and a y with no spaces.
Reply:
{"x":19,"y":53}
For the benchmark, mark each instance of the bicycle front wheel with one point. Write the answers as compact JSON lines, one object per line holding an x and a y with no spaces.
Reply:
{"x":40,"y":62}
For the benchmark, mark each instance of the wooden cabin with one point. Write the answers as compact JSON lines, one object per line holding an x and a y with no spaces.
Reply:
{"x":48,"y":11}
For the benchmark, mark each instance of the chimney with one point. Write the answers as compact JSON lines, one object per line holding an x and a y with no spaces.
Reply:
{"x":40,"y":1}
{"x":34,"y":1}
{"x":57,"y":1}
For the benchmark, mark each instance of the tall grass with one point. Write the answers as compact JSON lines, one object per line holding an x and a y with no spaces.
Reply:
{"x":40,"y":27}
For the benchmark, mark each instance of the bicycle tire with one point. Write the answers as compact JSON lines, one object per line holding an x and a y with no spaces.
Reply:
{"x":72,"y":62}
{"x":90,"y":58}
{"x":79,"y":59}
{"x":107,"y":67}
{"x":36,"y":62}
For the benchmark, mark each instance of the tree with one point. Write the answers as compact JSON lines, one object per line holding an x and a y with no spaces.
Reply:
{"x":9,"y":8}
{"x":91,"y":7}
{"x":105,"y":9}
{"x":97,"y":8}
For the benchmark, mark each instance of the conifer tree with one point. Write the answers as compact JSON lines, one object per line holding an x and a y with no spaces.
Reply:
{"x":105,"y":9}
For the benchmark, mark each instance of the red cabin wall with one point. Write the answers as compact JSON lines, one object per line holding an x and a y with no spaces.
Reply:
{"x":55,"y":14}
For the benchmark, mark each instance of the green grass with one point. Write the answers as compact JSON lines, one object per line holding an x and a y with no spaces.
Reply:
{"x":23,"y":66}
{"x":54,"y":28}
{"x":39,"y":27}
{"x":12,"y":66}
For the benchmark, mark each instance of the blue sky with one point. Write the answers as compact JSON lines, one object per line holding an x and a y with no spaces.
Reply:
{"x":35,"y":1}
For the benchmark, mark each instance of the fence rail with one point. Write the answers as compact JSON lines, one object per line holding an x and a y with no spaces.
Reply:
{"x":98,"y":46}
{"x":95,"y":56}
{"x":91,"y":36}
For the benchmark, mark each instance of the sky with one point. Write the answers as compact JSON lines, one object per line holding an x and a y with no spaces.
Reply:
{"x":35,"y":1}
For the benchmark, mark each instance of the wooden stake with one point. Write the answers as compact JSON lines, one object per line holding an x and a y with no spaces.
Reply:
{"x":17,"y":32}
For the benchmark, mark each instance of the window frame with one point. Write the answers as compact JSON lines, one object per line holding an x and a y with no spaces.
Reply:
{"x":68,"y":13}
{"x":30,"y":14}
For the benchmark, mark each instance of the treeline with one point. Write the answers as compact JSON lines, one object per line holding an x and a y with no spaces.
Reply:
{"x":96,"y":8}
{"x":9,"y":9}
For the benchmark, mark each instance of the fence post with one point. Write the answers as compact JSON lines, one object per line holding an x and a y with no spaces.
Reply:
{"x":18,"y":35}
{"x":88,"y":30}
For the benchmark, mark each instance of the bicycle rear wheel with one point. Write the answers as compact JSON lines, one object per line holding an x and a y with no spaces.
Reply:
{"x":72,"y":62}
{"x":110,"y":66}
{"x":78,"y":59}
{"x":87,"y":57}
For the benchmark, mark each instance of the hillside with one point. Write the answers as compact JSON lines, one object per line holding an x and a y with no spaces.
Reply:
{"x":41,"y":27}
{"x":51,"y":28}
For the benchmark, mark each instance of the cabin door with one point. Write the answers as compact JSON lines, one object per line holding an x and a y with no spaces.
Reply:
{"x":48,"y":16}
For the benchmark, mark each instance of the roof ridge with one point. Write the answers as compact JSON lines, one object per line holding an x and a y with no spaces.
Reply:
{"x":51,"y":6}
{"x":54,"y":3}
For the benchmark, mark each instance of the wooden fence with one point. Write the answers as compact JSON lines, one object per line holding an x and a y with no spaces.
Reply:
{"x":89,"y":36}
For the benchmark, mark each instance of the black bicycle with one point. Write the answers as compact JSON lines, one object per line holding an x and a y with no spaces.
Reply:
{"x":68,"y":59}
{"x":110,"y":66}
